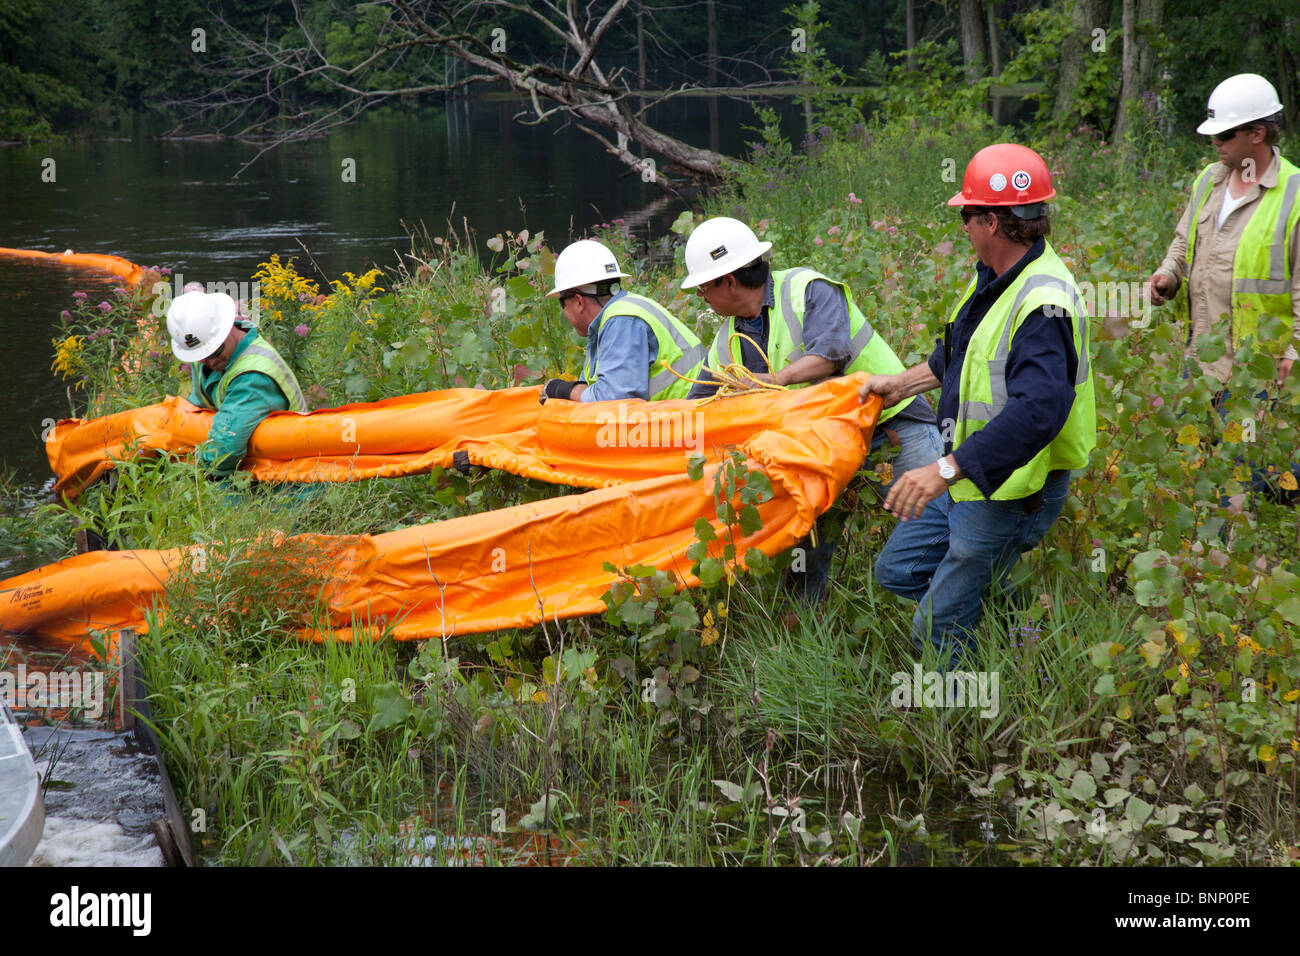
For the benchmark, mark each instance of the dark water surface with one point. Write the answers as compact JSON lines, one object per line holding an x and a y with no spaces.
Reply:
{"x":176,"y":203}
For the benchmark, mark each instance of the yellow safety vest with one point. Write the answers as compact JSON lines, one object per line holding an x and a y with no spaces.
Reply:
{"x":1045,"y":282}
{"x":259,"y":356}
{"x":868,"y":352}
{"x":679,"y":349}
{"x":1261,"y":267}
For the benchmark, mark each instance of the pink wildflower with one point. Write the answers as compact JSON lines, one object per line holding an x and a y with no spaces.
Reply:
{"x":301,"y":330}
{"x":78,"y":295}
{"x":104,"y":307}
{"x":833,"y":231}
{"x":818,"y":241}
{"x":855,"y":200}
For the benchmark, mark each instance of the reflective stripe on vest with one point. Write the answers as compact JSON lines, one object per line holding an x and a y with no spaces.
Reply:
{"x":792,"y":318}
{"x":1261,"y":265}
{"x":678,"y":347}
{"x":987,"y":411}
{"x":1045,"y":284}
{"x":262,"y":357}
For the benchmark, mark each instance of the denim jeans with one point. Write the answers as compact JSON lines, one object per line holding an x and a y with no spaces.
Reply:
{"x":920,"y":445}
{"x":1261,"y":483}
{"x":948,"y":559}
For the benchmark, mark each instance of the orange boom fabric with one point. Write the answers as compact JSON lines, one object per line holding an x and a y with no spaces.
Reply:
{"x":507,"y":568}
{"x":128,"y":271}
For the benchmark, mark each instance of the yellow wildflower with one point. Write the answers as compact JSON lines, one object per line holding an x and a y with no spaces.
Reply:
{"x":68,"y":356}
{"x":1291,"y":695}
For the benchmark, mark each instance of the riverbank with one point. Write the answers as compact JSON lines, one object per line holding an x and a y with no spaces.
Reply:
{"x":1139,"y":707}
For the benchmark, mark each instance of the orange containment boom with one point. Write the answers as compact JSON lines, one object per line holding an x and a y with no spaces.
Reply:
{"x":516,"y":566}
{"x":128,"y":271}
{"x":569,"y":443}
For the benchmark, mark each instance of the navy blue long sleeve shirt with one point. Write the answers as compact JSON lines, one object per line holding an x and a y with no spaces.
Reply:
{"x":1040,"y":382}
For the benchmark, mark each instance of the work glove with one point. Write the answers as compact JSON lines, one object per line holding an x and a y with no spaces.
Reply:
{"x":556,"y":388}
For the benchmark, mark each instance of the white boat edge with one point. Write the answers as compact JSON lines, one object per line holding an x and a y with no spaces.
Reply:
{"x":21,"y":831}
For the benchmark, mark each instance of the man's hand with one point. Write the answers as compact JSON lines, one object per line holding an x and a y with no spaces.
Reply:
{"x":1283,"y":369}
{"x":1160,"y":288}
{"x":890,"y":388}
{"x":913,"y":490}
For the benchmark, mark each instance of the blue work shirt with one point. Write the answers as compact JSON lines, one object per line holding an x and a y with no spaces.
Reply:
{"x":1040,"y":382}
{"x":825,"y":333}
{"x":626,"y":348}
{"x":249,"y":399}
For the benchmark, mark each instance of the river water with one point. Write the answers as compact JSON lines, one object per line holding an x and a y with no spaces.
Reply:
{"x":178,"y":204}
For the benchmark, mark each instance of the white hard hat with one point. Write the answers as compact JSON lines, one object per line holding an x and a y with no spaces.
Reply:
{"x":1237,"y":100}
{"x":585,"y":262}
{"x":199,"y":323}
{"x":718,"y":247}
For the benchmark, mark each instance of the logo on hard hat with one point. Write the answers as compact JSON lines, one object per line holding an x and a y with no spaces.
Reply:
{"x":191,"y":340}
{"x":718,"y":253}
{"x":997,"y":182}
{"x":611,"y":267}
{"x":1209,"y":113}
{"x":1021,"y":179}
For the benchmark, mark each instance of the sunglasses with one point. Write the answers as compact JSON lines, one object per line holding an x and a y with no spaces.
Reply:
{"x":1228,"y":134}
{"x":967,"y":213}
{"x":566,"y":296}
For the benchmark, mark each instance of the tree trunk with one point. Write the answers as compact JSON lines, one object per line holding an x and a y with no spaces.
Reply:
{"x":1141,"y":22}
{"x":911,"y":34}
{"x":1085,"y":17}
{"x":994,"y":60}
{"x":640,"y":46}
{"x":972,"y":38}
{"x":713,"y":44}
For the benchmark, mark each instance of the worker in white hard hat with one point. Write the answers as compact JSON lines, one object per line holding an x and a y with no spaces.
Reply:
{"x":634,"y":344}
{"x":233,"y":370}
{"x":810,"y":328}
{"x":1237,"y":244}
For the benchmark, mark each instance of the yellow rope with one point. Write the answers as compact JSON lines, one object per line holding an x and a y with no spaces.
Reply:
{"x":733,"y":378}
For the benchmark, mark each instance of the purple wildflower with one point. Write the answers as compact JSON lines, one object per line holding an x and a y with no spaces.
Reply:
{"x":104,"y":307}
{"x":78,"y":295}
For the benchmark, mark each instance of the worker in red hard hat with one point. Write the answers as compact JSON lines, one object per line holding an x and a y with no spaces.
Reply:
{"x":1016,"y":408}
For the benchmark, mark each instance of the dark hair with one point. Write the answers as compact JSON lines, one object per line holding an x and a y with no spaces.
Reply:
{"x":1271,"y":129}
{"x":754,"y":275}
{"x":1021,"y":231}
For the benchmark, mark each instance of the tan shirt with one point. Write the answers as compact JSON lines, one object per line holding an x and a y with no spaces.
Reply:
{"x":1210,"y":296}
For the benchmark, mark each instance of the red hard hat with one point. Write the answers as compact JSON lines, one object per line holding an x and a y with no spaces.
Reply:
{"x":1004,"y":175}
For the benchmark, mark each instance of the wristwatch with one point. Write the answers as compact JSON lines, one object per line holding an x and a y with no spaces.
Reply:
{"x":947,"y":472}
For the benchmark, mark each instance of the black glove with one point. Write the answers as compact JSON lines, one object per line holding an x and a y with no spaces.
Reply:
{"x":557,"y":388}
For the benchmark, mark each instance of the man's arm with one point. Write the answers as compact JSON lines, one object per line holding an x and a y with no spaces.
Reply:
{"x":825,"y":336}
{"x":251,"y":397}
{"x":905,"y":384}
{"x":626,"y":350}
{"x":1165,"y":281}
{"x":1040,"y":376}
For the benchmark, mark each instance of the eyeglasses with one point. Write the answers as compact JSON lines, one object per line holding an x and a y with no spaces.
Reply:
{"x":565,"y":297}
{"x":967,"y":213}
{"x":1228,"y":134}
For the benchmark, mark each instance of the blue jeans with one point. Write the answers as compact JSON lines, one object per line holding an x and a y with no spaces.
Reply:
{"x":919,"y":444}
{"x":1261,"y":483}
{"x":948,"y":559}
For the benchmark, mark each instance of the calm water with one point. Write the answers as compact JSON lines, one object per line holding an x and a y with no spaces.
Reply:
{"x":177,"y":204}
